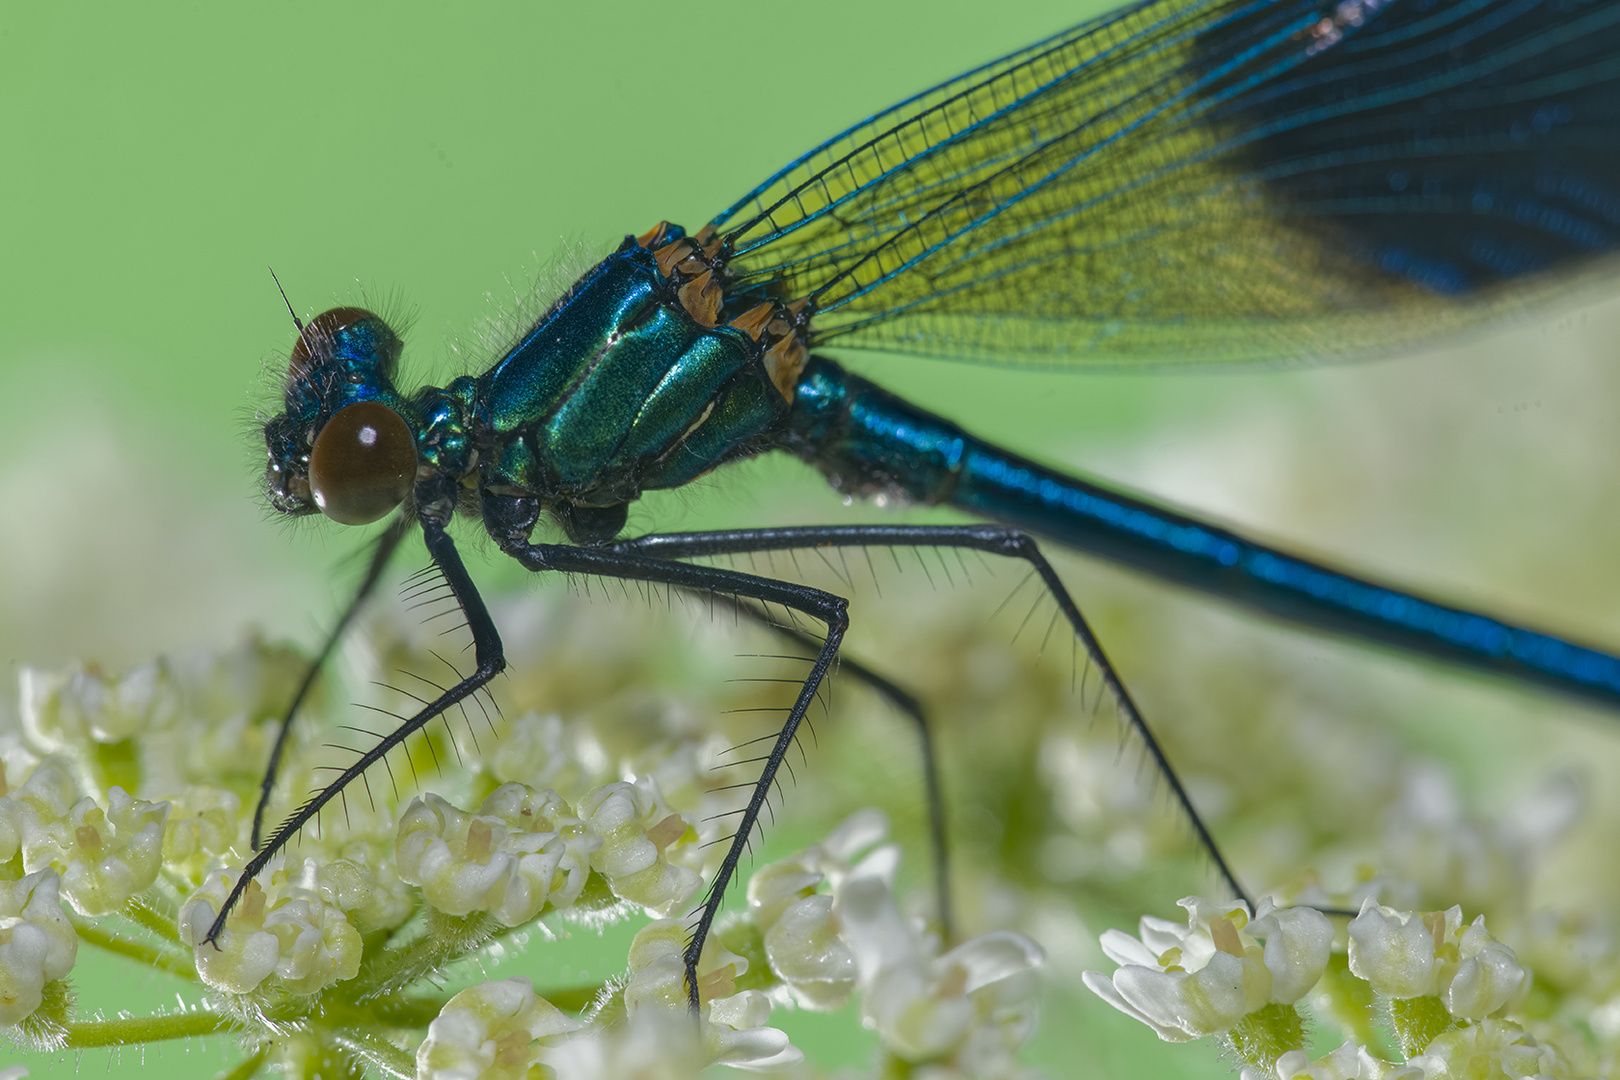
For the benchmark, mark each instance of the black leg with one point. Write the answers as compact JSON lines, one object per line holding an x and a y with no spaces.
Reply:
{"x":599,"y":562}
{"x":908,"y":704}
{"x":387,"y":544}
{"x":992,"y":539}
{"x":491,"y":661}
{"x":830,"y":610}
{"x":649,"y":559}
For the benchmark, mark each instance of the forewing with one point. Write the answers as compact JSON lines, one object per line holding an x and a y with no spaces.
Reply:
{"x":1213,"y":181}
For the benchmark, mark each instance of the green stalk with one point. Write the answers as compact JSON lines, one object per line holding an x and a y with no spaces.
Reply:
{"x":143,"y":1029}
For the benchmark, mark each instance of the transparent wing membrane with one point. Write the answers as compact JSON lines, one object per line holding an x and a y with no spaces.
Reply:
{"x":1212,"y":181}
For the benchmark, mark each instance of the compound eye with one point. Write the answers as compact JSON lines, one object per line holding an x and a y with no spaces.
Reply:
{"x":363,"y":463}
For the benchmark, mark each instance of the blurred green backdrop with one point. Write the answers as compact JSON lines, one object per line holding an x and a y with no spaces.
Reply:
{"x":430,"y":159}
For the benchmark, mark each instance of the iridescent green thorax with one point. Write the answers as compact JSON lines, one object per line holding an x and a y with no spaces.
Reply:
{"x":621,"y":389}
{"x":444,"y":420}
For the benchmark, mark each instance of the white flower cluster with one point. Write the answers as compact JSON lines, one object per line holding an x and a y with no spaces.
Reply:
{"x":293,"y":930}
{"x":519,"y":850}
{"x":732,"y":1022}
{"x":64,"y":710}
{"x":104,"y":855}
{"x":1444,"y":988}
{"x":1407,"y":955}
{"x":1204,"y":978}
{"x":37,"y":943}
{"x":490,"y":1032}
{"x":70,"y":848}
{"x":74,"y":834}
{"x":636,"y":830}
{"x":517,"y":854}
{"x":130,"y":795}
{"x":204,"y":718}
{"x":801,"y":940}
{"x":961,"y":1013}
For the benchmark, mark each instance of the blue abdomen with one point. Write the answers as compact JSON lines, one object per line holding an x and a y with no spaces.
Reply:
{"x":867,"y":441}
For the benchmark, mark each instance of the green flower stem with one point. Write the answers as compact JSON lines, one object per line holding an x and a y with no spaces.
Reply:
{"x":116,"y":763}
{"x":1417,"y":1022}
{"x":160,"y":923}
{"x":444,"y":938}
{"x":414,"y":1013}
{"x":138,"y":951}
{"x":1266,"y":1034}
{"x":382,"y":1056}
{"x":144,"y":1029}
{"x":745,"y":939}
{"x":573,"y":999}
{"x":250,"y":1067}
{"x":1350,"y":1003}
{"x":395,"y":1011}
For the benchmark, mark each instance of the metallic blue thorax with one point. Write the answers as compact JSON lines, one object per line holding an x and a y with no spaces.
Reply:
{"x":619,"y":389}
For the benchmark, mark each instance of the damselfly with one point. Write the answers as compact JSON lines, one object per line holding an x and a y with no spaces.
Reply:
{"x":1171,"y":183}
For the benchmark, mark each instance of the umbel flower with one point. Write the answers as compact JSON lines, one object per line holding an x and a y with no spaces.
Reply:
{"x":367,"y":944}
{"x":412,"y":931}
{"x":1220,"y":970}
{"x":1450,"y":997}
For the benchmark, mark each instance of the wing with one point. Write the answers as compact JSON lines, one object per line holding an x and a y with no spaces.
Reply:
{"x":1212,"y":181}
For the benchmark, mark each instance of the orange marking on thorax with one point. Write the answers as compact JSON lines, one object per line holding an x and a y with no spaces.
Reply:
{"x":752,"y":322}
{"x":784,"y":363}
{"x":667,"y":256}
{"x":654,"y":236}
{"x":701,"y":298}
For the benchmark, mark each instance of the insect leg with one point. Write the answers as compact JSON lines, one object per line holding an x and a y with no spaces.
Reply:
{"x":491,"y":661}
{"x":991,"y":539}
{"x":831,"y":611}
{"x":908,"y":704}
{"x":386,"y":545}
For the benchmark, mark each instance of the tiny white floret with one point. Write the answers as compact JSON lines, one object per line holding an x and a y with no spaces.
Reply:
{"x":37,"y":943}
{"x":492,"y":1031}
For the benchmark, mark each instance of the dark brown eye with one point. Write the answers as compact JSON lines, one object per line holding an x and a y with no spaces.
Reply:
{"x":363,"y":463}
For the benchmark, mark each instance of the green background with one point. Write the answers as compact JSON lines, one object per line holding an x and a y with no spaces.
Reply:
{"x":431,"y":159}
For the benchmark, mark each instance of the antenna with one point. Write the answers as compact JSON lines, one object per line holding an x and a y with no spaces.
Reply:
{"x":296,"y":320}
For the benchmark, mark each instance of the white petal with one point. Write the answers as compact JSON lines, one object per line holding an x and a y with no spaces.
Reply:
{"x":1298,"y":944}
{"x":1099,"y":984}
{"x":1123,"y":949}
{"x":1396,"y":957}
{"x":992,"y":957}
{"x":1484,"y":982}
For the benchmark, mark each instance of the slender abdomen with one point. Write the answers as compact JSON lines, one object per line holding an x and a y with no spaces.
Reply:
{"x":868,"y":441}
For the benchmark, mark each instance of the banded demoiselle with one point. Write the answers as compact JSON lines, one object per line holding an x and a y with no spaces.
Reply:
{"x":320,"y":243}
{"x":1169,"y":183}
